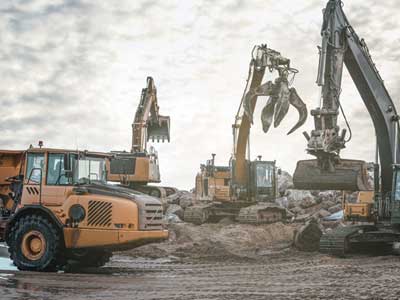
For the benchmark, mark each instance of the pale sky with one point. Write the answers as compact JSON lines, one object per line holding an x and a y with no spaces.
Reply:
{"x":72,"y":72}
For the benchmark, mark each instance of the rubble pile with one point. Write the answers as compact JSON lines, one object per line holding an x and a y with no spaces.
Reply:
{"x":222,"y":240}
{"x":307,"y":214}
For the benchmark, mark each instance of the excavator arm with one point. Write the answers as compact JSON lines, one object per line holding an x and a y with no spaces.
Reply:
{"x":280,"y":97}
{"x":341,"y":46}
{"x":148,"y":123}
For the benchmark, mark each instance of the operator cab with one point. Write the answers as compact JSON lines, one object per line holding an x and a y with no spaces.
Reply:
{"x":263,"y":180}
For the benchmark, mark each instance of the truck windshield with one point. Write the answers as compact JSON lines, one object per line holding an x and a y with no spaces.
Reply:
{"x":265,"y":175}
{"x":89,"y":169}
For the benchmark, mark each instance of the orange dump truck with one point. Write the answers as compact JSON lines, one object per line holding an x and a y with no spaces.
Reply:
{"x":56,"y":208}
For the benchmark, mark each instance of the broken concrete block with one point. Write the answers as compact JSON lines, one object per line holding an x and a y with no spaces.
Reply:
{"x":326,"y":204}
{"x":335,"y":208}
{"x":307,"y":237}
{"x":285,"y":181}
{"x":302,"y":218}
{"x":323,"y":213}
{"x":308,"y":201}
{"x":174,"y":209}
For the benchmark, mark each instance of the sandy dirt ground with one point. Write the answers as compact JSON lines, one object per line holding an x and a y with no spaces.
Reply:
{"x":286,"y":275}
{"x":216,"y":261}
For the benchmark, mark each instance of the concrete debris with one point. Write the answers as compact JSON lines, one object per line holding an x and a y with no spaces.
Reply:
{"x":308,"y":201}
{"x":308,"y":213}
{"x":172,"y":218}
{"x":175,"y":209}
{"x":282,"y":202}
{"x":182,"y":198}
{"x":335,"y":208}
{"x":302,"y":218}
{"x":297,"y":195}
{"x":219,"y":241}
{"x":323,"y":213}
{"x":307,"y":237}
{"x":285,"y":182}
{"x":327,"y":204}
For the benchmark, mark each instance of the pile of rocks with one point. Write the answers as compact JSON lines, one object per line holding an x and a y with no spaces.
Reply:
{"x":306,"y":210}
{"x":175,"y":205}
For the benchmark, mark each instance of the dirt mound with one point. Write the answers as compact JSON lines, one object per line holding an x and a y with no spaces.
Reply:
{"x":220,"y":241}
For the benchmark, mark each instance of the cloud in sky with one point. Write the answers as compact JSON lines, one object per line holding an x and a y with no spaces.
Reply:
{"x":72,"y":72}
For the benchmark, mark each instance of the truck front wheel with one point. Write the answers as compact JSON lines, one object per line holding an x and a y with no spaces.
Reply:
{"x":34,"y":244}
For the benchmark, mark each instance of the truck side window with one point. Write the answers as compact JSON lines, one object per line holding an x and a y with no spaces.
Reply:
{"x":55,"y":170}
{"x":35,"y":161}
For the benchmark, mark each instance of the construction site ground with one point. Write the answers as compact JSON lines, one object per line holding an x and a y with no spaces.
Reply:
{"x":215,"y":261}
{"x":285,"y":275}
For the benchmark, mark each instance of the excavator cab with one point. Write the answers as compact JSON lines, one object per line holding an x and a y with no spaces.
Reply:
{"x":262,"y":180}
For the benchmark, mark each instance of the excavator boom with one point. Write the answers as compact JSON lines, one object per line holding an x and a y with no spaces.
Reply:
{"x":148,"y":123}
{"x":341,"y":46}
{"x":281,"y":96}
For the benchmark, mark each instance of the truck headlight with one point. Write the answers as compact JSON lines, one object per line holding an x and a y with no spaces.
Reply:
{"x":77,"y":213}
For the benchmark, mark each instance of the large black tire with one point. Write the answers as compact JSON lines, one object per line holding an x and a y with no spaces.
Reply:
{"x":29,"y":234}
{"x":84,"y":258}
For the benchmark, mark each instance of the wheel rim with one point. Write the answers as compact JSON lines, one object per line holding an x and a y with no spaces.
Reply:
{"x":33,"y":245}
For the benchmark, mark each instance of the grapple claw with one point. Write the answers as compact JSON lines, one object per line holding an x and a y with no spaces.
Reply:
{"x":282,"y":103}
{"x":301,"y":107}
{"x":267,"y":114}
{"x":262,"y":90}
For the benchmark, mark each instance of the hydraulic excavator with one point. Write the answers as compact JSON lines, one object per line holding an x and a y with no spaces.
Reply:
{"x":342,"y":46}
{"x":246,"y":190}
{"x":140,"y":166}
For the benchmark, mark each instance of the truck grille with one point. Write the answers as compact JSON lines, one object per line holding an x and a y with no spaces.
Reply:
{"x":153,"y":217}
{"x":99,"y":213}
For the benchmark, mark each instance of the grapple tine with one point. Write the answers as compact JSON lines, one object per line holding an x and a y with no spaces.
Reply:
{"x":262,"y":90}
{"x":282,"y":103}
{"x":301,"y":107}
{"x":267,"y":114}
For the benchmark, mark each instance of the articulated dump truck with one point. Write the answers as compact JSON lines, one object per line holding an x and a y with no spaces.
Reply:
{"x":56,"y":210}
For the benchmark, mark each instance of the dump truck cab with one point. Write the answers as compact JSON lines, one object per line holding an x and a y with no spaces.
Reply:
{"x":57,"y":203}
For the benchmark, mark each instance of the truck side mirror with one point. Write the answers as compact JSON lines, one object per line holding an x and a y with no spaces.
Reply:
{"x":279,"y":171}
{"x":67,"y":163}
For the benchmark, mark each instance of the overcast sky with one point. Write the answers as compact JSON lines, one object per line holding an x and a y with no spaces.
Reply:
{"x":72,"y":72}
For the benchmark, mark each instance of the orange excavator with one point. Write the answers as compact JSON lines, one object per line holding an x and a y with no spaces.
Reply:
{"x":246,"y":190}
{"x":140,"y":166}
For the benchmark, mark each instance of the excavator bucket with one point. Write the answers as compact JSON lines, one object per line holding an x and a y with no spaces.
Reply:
{"x":159,"y":131}
{"x":349,"y":175}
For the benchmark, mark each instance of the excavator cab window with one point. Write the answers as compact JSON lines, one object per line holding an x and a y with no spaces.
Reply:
{"x":396,"y":185}
{"x":264,"y":173}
